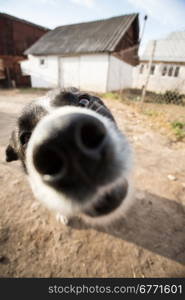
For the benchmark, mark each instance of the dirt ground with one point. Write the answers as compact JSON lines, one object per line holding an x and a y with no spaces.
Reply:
{"x":148,"y":242}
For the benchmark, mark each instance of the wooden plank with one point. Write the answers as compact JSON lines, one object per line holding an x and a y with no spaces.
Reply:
{"x":2,"y":70}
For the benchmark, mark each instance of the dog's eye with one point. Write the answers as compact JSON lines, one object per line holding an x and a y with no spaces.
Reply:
{"x":84,"y":100}
{"x":24,"y":137}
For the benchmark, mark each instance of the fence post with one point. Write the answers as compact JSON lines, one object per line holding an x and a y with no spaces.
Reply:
{"x":149,"y":68}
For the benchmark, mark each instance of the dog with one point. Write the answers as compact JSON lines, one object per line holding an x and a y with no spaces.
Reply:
{"x":75,"y":157}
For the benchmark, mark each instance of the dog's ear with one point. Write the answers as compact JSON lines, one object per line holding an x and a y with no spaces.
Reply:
{"x":11,"y":153}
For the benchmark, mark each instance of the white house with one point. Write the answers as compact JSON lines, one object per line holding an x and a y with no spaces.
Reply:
{"x":167,"y":71}
{"x":95,"y":56}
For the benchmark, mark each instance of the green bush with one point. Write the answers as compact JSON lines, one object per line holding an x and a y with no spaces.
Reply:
{"x":179,"y":129}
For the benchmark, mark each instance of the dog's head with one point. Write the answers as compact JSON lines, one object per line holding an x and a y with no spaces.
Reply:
{"x":75,"y":157}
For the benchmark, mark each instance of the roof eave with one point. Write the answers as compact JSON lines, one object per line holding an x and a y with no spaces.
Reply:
{"x":66,"y":54}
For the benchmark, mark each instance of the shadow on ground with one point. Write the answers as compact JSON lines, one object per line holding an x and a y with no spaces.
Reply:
{"x":153,"y":222}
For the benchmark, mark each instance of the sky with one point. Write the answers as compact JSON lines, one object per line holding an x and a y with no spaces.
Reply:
{"x":164,"y":16}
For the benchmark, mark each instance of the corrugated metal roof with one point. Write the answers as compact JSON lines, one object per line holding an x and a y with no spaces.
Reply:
{"x":96,"y":36}
{"x":171,"y":49}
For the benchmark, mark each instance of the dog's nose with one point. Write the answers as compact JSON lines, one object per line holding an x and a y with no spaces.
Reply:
{"x":73,"y":149}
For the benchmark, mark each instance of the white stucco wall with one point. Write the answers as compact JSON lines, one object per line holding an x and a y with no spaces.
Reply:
{"x":45,"y":75}
{"x":119,"y":74}
{"x":157,"y":82}
{"x":91,"y":72}
{"x":87,"y":72}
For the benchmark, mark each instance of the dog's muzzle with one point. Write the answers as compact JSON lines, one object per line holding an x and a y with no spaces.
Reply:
{"x":74,"y":154}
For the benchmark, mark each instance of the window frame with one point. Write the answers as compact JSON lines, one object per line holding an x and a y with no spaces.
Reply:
{"x":170,"y":71}
{"x":42,"y":59}
{"x":152,"y":69}
{"x":166,"y":70}
{"x":141,"y":68}
{"x":176,"y":68}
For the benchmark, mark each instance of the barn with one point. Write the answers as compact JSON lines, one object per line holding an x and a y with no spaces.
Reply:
{"x":95,"y":56}
{"x":166,"y":58}
{"x":16,"y":35}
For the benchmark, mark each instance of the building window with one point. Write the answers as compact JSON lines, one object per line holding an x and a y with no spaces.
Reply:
{"x":177,"y":69}
{"x":42,"y":61}
{"x":152,"y":69}
{"x":170,"y":71}
{"x":141,"y":68}
{"x":164,"y":70}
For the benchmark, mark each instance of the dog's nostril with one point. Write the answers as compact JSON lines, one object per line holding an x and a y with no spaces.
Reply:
{"x":91,"y":135}
{"x":47,"y":161}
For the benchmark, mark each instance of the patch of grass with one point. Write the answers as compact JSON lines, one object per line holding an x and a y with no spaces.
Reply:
{"x":152,"y":113}
{"x":177,"y":124}
{"x":112,"y":95}
{"x":168,"y":119}
{"x":135,"y":95}
{"x":178,"y":129}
